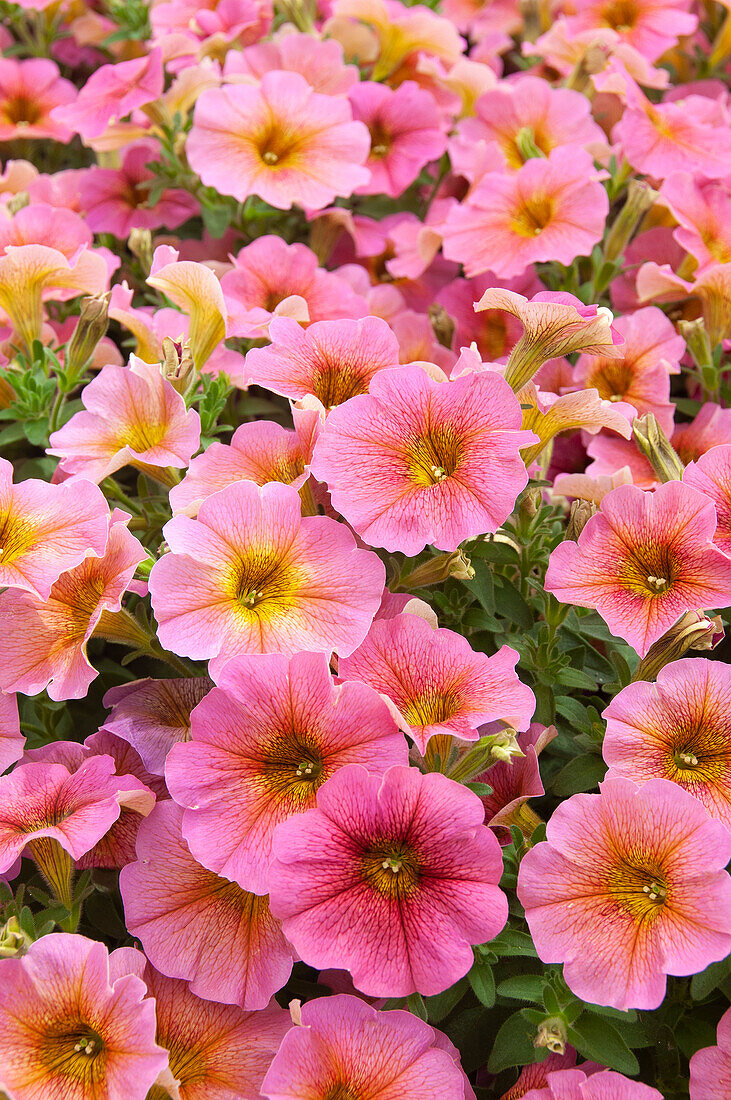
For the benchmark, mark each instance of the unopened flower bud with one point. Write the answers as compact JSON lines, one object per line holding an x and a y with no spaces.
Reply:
{"x":525,"y":139}
{"x":438,"y":569}
{"x":698,"y":343}
{"x":177,"y":364}
{"x":640,"y":197}
{"x":657,"y":448}
{"x":504,"y":746}
{"x":90,"y":328}
{"x":18,"y":202}
{"x":693,"y":630}
{"x":13,"y":940}
{"x":139,"y":243}
{"x":552,"y":1034}
{"x":580,"y":514}
{"x":300,"y":13}
{"x":442,"y":324}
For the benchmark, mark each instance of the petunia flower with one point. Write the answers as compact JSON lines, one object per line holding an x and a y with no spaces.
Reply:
{"x":402,"y":867}
{"x":47,"y":529}
{"x":711,"y":289}
{"x":153,"y":715}
{"x":278,"y":140}
{"x":72,"y":1029}
{"x":273,"y":731}
{"x":344,"y":1044}
{"x":552,"y":208}
{"x":514,"y":782}
{"x":406,"y":134}
{"x":111,"y":93}
{"x":43,"y":223}
{"x":710,"y":1067}
{"x":321,"y":61}
{"x":12,"y":741}
{"x":678,"y":729}
{"x":628,"y":887}
{"x":585,"y":1083}
{"x":702,"y":209}
{"x":416,"y":461}
{"x":133,"y":416}
{"x":436,"y":683}
{"x":334,"y":360}
{"x":29,"y":91}
{"x":643,"y":560}
{"x":216,"y":1052}
{"x":46,"y":647}
{"x":194,"y":289}
{"x":402,"y":32}
{"x":652,"y":26}
{"x":711,"y":475}
{"x":196,"y":926}
{"x":549,"y":415}
{"x":251,"y":575}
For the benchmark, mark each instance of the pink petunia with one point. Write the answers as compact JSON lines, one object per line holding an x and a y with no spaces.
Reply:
{"x":320,"y":61}
{"x":435,"y":682}
{"x":652,"y":26}
{"x":711,"y":427}
{"x":196,"y":926}
{"x":513,"y":783}
{"x":584,"y":1083}
{"x":273,"y":731}
{"x":278,"y":140}
{"x":406,"y":134}
{"x":416,"y":461}
{"x":710,"y":1068}
{"x":711,"y":475}
{"x":72,"y":1028}
{"x":345,"y":1047}
{"x":643,"y":560}
{"x":46,"y":647}
{"x":153,"y":715}
{"x":251,"y":575}
{"x":111,"y":93}
{"x":133,"y":416}
{"x":702,"y":209}
{"x":391,"y":878}
{"x":12,"y":740}
{"x":29,"y":91}
{"x":678,"y":729}
{"x":271,"y":278}
{"x":629,"y":887}
{"x":495,"y":331}
{"x":552,"y":208}
{"x":47,"y":529}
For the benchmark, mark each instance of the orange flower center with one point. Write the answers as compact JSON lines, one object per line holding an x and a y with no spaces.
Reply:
{"x":21,"y":111}
{"x":277,"y":148}
{"x":650,"y":571}
{"x":334,"y":383}
{"x":530,"y":219}
{"x":697,"y":755}
{"x":639,"y":889}
{"x":391,"y":869}
{"x":431,"y":708}
{"x":259,"y":582}
{"x":74,"y":1050}
{"x":380,"y":141}
{"x":341,"y":1091}
{"x":621,"y":15}
{"x":493,"y":338}
{"x":293,"y":765}
{"x":16,"y":537}
{"x":141,"y":435}
{"x":611,"y":378}
{"x":433,"y":458}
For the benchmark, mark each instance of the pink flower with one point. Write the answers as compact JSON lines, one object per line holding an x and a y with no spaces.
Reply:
{"x":629,"y":887}
{"x":196,"y":926}
{"x":52,"y":226}
{"x":711,"y":475}
{"x":677,"y":729}
{"x":271,"y":278}
{"x":320,"y":61}
{"x":403,"y":32}
{"x":652,"y":26}
{"x":574,"y":1084}
{"x":133,"y":416}
{"x":12,"y":740}
{"x":416,"y":461}
{"x":153,"y":715}
{"x":343,"y":1043}
{"x":116,"y":200}
{"x":194,"y":289}
{"x":71,"y":1028}
{"x":533,"y":1077}
{"x":406,"y":134}
{"x":273,"y":732}
{"x":47,"y":529}
{"x":112,"y":92}
{"x":435,"y":681}
{"x":29,"y":90}
{"x":710,"y":1068}
{"x":643,"y":560}
{"x":46,"y":647}
{"x":703,"y":211}
{"x":217,"y":1052}
{"x":494,"y":330}
{"x":402,"y":867}
{"x":278,"y":140}
{"x":334,"y":360}
{"x":709,"y":428}
{"x":552,"y":208}
{"x":513,"y":782}
{"x":250,"y":575}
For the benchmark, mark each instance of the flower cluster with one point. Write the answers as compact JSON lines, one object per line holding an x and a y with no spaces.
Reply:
{"x":365,"y":550}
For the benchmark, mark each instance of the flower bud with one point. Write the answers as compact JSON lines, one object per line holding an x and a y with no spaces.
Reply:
{"x":525,"y":139}
{"x":580,"y":514}
{"x":657,"y":448}
{"x":552,"y":1034}
{"x":90,"y":328}
{"x":442,"y":324}
{"x":177,"y":364}
{"x":640,"y":197}
{"x":139,"y":243}
{"x":438,"y":569}
{"x":693,"y":630}
{"x":17,"y":202}
{"x":13,"y":940}
{"x":698,"y":343}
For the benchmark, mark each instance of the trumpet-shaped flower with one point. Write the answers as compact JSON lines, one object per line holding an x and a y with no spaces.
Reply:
{"x":643,"y":560}
{"x":710,"y":1068}
{"x":652,"y":26}
{"x":575,"y":1084}
{"x":402,"y":867}
{"x":29,"y":92}
{"x":72,"y":1028}
{"x":334,"y":360}
{"x":47,"y":529}
{"x":153,"y":715}
{"x":513,"y":782}
{"x":279,"y":140}
{"x":319,"y":60}
{"x":711,"y":475}
{"x":402,"y":32}
{"x":273,"y":732}
{"x":195,"y":289}
{"x":711,"y":289}
{"x":548,"y":415}
{"x":678,"y":729}
{"x":628,"y":887}
{"x":251,"y":575}
{"x":345,"y":1047}
{"x":133,"y":416}
{"x":435,"y":682}
{"x":111,"y":93}
{"x":44,"y":644}
{"x":702,"y":209}
{"x":416,"y":461}
{"x":552,"y":208}
{"x":196,"y":926}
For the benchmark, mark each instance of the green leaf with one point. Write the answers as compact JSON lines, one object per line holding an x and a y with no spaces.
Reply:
{"x":599,"y":1041}
{"x":524,"y":987}
{"x":36,"y":432}
{"x":500,"y":553}
{"x":415,"y":1005}
{"x":574,"y":678}
{"x":512,"y":942}
{"x":482,"y":981}
{"x":439,"y":1007}
{"x":574,"y":712}
{"x":484,"y":790}
{"x":709,"y":979}
{"x":482,"y":586}
{"x":511,"y":604}
{"x":581,"y":774}
{"x":513,"y":1045}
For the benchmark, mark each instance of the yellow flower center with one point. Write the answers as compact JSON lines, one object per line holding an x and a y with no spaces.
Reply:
{"x":294,"y":766}
{"x":639,"y":889}
{"x":21,"y":111}
{"x":391,"y":869}
{"x":697,"y":755}
{"x":260,"y":583}
{"x":431,"y":708}
{"x":530,"y":219}
{"x":650,"y":570}
{"x":433,"y":458}
{"x":611,"y":378}
{"x":621,"y":15}
{"x":16,"y":537}
{"x":76,"y":1051}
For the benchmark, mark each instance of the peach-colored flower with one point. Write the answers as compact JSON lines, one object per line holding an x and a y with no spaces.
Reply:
{"x":29,"y":91}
